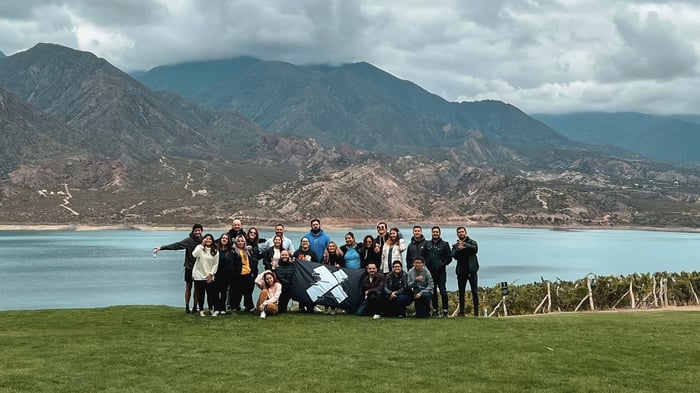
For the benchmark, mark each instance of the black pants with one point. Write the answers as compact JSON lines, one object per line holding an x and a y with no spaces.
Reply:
{"x":202,"y":287}
{"x":396,"y":307}
{"x":440,"y":283}
{"x":243,"y":287}
{"x":285,"y":297}
{"x":225,"y":286}
{"x":372,"y":305}
{"x":473,"y":279}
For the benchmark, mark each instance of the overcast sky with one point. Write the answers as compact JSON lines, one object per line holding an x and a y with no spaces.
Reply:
{"x":543,"y":56}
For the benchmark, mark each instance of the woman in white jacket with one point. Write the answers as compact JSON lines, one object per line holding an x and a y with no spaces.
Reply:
{"x":205,"y":267}
{"x":392,"y":250}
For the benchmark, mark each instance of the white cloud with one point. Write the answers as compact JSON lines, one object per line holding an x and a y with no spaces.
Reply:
{"x":539,"y":55}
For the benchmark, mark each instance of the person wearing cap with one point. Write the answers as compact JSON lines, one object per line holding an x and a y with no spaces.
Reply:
{"x":421,"y":283}
{"x":397,"y":294}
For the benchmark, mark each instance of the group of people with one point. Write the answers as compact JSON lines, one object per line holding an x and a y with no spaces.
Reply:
{"x":224,"y":271}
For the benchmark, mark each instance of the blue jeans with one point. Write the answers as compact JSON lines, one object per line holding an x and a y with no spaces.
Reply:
{"x":423,"y":306}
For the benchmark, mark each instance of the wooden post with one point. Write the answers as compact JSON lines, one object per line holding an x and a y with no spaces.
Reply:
{"x":690,"y":283}
{"x":549,"y":296}
{"x":619,"y":300}
{"x":505,"y":309}
{"x":653,"y":290}
{"x":540,"y":305}
{"x":590,"y":293}
{"x":495,"y":309}
{"x":581,"y":303}
{"x":634,"y":303}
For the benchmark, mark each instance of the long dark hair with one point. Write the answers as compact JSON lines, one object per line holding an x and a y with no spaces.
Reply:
{"x":365,"y":241}
{"x":228,"y":245}
{"x":214,"y":248}
{"x":255,"y":239}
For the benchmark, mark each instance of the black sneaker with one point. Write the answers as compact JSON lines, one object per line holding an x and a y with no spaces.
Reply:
{"x":187,"y":309}
{"x":445,"y":314}
{"x":436,"y":314}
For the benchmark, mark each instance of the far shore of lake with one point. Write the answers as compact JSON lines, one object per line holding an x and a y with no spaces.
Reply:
{"x":329,"y":225}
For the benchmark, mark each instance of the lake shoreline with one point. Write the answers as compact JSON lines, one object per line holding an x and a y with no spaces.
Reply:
{"x":330,"y":225}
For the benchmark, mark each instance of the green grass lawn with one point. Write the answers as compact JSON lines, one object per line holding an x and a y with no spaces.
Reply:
{"x":160,"y":349}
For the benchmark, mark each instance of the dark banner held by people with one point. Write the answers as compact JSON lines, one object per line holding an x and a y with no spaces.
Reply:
{"x":327,"y":285}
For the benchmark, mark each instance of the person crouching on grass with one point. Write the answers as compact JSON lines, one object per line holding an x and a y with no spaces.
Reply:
{"x":270,"y":290}
{"x":205,"y":267}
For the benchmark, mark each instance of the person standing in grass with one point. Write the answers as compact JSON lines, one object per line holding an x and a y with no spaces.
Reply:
{"x":246,"y":279}
{"x":236,"y":229}
{"x":305,"y":254}
{"x":350,"y":253}
{"x":333,"y":256}
{"x":368,"y":252}
{"x":396,"y":292}
{"x":253,"y":240}
{"x":372,"y":291}
{"x":188,"y":244}
{"x":438,"y":256}
{"x":270,"y":291}
{"x":382,"y":236}
{"x":271,"y":255}
{"x":228,"y":270}
{"x":392,"y":250}
{"x":464,"y":252}
{"x":285,"y":276}
{"x":318,"y":240}
{"x":205,"y":266}
{"x":286,"y":242}
{"x":416,"y":248}
{"x":421,"y":283}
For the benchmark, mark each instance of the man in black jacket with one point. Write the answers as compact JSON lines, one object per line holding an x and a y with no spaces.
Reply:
{"x":397,"y":294}
{"x":188,"y":244}
{"x":416,"y":248}
{"x":438,"y":256}
{"x":464,"y":251}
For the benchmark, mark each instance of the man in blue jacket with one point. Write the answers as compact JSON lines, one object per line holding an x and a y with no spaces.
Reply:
{"x":319,"y":240}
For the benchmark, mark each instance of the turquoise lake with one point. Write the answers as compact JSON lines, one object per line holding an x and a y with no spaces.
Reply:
{"x":68,"y":269}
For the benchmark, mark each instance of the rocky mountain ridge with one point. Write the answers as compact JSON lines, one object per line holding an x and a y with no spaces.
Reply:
{"x":105,"y":149}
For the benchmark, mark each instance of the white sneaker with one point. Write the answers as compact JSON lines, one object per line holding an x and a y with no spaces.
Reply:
{"x":263,"y":315}
{"x":317,"y":309}
{"x":222,"y":313}
{"x":202,"y":314}
{"x":215,"y":313}
{"x":376,"y":316}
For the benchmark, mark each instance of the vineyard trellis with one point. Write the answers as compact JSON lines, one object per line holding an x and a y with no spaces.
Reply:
{"x":634,"y":291}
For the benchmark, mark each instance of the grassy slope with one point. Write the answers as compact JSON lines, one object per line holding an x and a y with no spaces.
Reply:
{"x":161,"y":349}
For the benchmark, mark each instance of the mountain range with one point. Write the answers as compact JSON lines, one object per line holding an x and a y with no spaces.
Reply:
{"x":84,"y":142}
{"x":670,"y":138}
